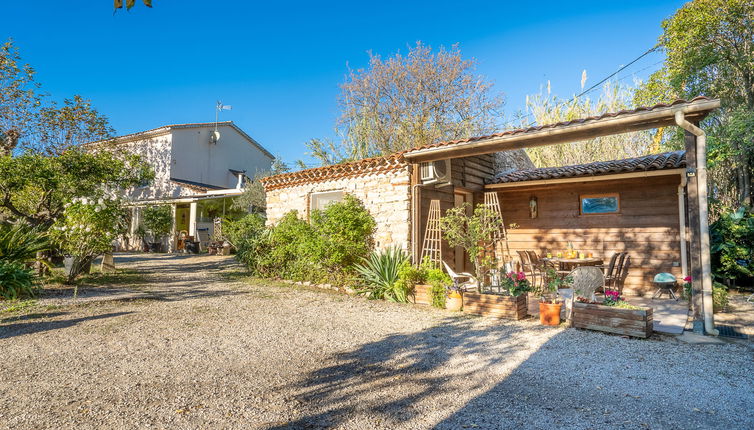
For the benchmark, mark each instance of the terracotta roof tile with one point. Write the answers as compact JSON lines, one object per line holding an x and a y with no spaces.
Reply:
{"x":366,"y":166}
{"x":666,"y":160}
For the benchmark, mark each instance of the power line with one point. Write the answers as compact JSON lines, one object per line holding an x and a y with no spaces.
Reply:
{"x":595,"y":86}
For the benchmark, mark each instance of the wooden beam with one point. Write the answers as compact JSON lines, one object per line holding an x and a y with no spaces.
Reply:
{"x":695,"y":247}
{"x":573,"y":132}
{"x":608,"y":177}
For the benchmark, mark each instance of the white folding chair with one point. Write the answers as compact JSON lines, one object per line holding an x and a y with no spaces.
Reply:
{"x":471,"y":283}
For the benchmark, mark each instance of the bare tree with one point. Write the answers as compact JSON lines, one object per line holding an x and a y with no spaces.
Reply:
{"x":410,"y":100}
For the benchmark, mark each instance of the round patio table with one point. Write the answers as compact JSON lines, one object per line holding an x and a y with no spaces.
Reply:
{"x":568,"y":264}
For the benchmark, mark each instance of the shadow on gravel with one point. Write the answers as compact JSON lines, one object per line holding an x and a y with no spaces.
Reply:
{"x":401,"y":363}
{"x":573,"y":380}
{"x":22,"y":328}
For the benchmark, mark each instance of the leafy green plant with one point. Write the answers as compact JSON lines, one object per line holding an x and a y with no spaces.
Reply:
{"x":381,"y":274}
{"x":732,"y":246}
{"x":553,"y":282}
{"x":250,"y":238}
{"x":719,"y":296}
{"x":158,"y":221}
{"x":16,"y":281}
{"x":472,"y":232}
{"x":21,"y":243}
{"x":345,"y":230}
{"x":440,"y":282}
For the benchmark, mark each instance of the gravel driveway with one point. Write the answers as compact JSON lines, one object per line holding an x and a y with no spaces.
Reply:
{"x":198,"y":348}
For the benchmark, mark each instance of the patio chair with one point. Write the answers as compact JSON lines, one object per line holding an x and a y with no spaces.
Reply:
{"x":613,"y":270}
{"x":620,"y":278}
{"x":537,"y":268}
{"x":586,"y":280}
{"x":471,"y":283}
{"x":526,"y":264}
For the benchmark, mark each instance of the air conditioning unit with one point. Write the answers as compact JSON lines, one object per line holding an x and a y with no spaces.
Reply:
{"x":434,"y":172}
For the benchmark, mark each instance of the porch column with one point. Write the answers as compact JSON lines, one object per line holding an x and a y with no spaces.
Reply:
{"x":192,"y":219}
{"x":171,"y":239}
{"x":695,"y":247}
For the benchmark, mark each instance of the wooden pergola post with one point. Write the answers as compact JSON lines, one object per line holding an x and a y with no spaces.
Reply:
{"x":695,"y":247}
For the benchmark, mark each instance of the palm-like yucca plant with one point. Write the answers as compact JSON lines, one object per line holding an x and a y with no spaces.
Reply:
{"x":20,"y":243}
{"x":380,"y":273}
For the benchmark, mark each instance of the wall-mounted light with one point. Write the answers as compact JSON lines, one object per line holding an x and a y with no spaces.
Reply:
{"x":533,"y":210}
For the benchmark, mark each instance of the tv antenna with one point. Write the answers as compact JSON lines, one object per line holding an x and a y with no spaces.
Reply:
{"x":215,"y":135}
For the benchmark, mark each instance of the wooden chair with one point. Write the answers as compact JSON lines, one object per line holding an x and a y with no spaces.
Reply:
{"x":620,"y":278}
{"x":613,"y":270}
{"x":470,"y":283}
{"x":537,"y":268}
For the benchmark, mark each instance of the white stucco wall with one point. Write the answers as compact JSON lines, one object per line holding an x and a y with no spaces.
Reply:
{"x":195,"y":159}
{"x":156,"y":152}
{"x":386,"y":196}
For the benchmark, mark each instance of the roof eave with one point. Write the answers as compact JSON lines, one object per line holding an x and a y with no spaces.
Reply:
{"x":658,"y":117}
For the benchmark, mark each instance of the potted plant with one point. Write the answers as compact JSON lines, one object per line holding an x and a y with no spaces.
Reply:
{"x":549,"y":303}
{"x":454,"y":300}
{"x":158,"y":221}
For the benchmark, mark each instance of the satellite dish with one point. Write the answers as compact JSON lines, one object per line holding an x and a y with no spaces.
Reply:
{"x":214,"y":136}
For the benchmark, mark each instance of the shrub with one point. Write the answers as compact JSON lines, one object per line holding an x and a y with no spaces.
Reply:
{"x":440,"y":281}
{"x":345,"y":229}
{"x":381,"y":274}
{"x":87,"y":229}
{"x":325,"y":250}
{"x":16,"y":281}
{"x":250,"y":237}
{"x":719,"y":296}
{"x":158,"y":220}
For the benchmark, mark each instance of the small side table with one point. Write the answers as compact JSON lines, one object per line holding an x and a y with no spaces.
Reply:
{"x":665,"y":287}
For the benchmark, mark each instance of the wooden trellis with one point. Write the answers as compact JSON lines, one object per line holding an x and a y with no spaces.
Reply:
{"x":432,"y":245}
{"x":500,"y":248}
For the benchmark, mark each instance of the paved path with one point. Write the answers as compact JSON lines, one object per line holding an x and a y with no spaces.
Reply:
{"x":197,"y":348}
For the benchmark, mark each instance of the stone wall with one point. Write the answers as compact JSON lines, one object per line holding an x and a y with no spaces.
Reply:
{"x":385,"y":195}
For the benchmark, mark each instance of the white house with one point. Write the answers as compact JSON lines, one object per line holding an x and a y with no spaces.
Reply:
{"x":198,"y":168}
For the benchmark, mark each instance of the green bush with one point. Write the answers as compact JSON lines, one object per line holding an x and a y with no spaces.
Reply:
{"x":732,"y":246}
{"x":345,"y":230}
{"x":381,"y":274}
{"x":719,"y":296}
{"x":158,"y":220}
{"x":426,"y":273}
{"x":16,"y":281}
{"x":250,"y":237}
{"x":323,"y":250}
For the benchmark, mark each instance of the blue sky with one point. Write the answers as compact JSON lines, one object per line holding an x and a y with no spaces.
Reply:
{"x":279,"y":64}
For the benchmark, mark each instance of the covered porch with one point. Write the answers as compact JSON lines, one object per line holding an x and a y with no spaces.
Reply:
{"x":652,"y":209}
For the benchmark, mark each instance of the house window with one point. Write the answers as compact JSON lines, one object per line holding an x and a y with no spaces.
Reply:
{"x":319,"y":201}
{"x":592,"y":204}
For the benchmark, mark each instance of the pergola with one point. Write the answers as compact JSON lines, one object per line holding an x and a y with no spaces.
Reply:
{"x":681,"y":113}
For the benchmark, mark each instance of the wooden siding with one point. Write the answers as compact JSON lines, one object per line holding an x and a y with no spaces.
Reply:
{"x":466,"y":173}
{"x":647,"y":225}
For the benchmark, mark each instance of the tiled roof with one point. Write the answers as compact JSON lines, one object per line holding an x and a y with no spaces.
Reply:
{"x":363,"y":167}
{"x":557,"y":124}
{"x":666,"y":160}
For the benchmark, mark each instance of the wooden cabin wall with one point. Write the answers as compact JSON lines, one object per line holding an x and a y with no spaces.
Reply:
{"x":647,"y":225}
{"x":467,"y":174}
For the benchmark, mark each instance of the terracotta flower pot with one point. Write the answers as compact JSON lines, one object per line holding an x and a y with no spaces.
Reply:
{"x":549,"y":313}
{"x":454,"y":302}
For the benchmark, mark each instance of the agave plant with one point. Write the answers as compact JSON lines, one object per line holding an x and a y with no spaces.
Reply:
{"x":380,"y":274}
{"x":16,"y":281}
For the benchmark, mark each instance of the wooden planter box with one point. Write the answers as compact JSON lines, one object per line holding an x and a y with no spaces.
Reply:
{"x":494,"y":305}
{"x":422,"y":295}
{"x":629,"y":322}
{"x":491,"y":305}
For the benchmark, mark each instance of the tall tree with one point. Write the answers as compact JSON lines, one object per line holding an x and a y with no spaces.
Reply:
{"x":549,"y":109}
{"x":410,"y":100}
{"x":709,"y":46}
{"x":19,"y":100}
{"x":74,"y":123}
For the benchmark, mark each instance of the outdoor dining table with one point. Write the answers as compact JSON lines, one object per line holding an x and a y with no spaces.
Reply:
{"x":572,"y":263}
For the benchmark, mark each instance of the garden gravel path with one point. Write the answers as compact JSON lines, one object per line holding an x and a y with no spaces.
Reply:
{"x":201,"y":349}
